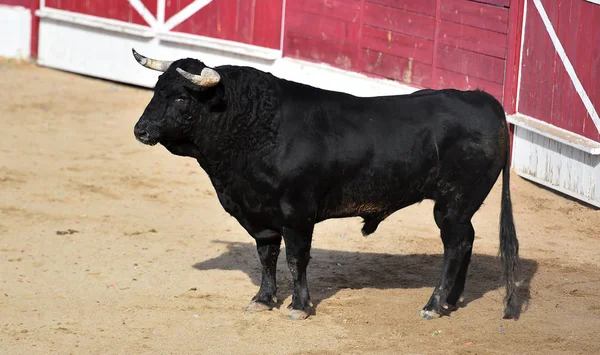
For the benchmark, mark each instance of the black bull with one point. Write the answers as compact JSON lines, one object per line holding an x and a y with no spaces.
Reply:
{"x":283,"y":156}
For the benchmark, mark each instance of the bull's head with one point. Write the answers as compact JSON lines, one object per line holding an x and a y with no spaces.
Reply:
{"x":178,"y":101}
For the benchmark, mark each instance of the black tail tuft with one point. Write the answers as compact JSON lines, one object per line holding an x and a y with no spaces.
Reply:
{"x":509,"y":247}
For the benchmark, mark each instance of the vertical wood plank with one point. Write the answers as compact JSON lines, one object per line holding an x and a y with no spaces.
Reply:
{"x":267,"y":23}
{"x":513,"y":58}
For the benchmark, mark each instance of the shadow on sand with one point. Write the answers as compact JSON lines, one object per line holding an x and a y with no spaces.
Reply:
{"x":332,"y":270}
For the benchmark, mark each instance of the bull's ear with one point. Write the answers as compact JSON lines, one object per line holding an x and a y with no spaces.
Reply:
{"x":207,"y":78}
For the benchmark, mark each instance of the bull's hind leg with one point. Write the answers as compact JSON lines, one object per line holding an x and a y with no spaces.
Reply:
{"x":461,"y":278}
{"x":268,"y":252}
{"x":457,"y":244}
{"x":439,"y":212}
{"x":453,"y":213}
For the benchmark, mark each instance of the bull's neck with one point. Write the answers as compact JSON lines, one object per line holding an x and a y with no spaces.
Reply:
{"x":245,"y":128}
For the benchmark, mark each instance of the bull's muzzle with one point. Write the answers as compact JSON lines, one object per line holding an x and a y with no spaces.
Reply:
{"x":143,"y":135}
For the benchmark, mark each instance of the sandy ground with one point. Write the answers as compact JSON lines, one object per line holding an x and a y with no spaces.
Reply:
{"x":111,"y":247}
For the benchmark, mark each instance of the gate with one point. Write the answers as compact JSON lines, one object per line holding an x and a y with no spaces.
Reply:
{"x":557,"y":135}
{"x":95,"y":37}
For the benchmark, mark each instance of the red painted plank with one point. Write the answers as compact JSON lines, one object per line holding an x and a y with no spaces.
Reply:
{"x":227,"y":17}
{"x":593,"y":89}
{"x":267,"y":23}
{"x":436,"y":42}
{"x":174,"y":6}
{"x":405,"y":22}
{"x":555,"y":66}
{"x":493,"y":18}
{"x":504,"y":3}
{"x":397,"y":68}
{"x":337,"y":54}
{"x":426,"y":7}
{"x":205,"y":22}
{"x":513,"y":60}
{"x":245,"y":14}
{"x":24,"y":3}
{"x":450,"y":79}
{"x":348,"y":10}
{"x":232,"y":20}
{"x":215,"y":20}
{"x":474,"y":39}
{"x":112,"y":9}
{"x":397,"y":44}
{"x":537,"y":68}
{"x":582,"y":64}
{"x":316,"y":26}
{"x":471,"y":64}
{"x":150,"y":5}
{"x":568,"y":110}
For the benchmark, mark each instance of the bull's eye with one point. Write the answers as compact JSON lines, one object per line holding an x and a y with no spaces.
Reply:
{"x":180,"y":99}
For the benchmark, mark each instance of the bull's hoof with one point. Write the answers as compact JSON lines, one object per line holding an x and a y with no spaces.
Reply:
{"x":300,"y":314}
{"x":258,"y":306}
{"x":255,"y":306}
{"x":297,"y":314}
{"x":449,"y":308}
{"x":429,"y":315}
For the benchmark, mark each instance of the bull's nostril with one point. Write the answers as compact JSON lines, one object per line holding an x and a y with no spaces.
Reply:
{"x":140,"y":133}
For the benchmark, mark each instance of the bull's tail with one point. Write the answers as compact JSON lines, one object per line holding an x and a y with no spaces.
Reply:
{"x":509,"y":247}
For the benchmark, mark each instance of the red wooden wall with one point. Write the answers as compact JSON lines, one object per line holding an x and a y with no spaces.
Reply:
{"x":113,"y":9}
{"x":547,"y":92}
{"x":255,"y":22}
{"x":425,"y":43}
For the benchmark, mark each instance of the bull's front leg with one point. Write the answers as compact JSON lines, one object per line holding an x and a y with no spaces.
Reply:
{"x":297,"y":247}
{"x":268,"y":252}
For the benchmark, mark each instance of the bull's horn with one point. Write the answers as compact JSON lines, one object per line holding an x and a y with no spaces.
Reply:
{"x":159,"y":65}
{"x":207,"y":78}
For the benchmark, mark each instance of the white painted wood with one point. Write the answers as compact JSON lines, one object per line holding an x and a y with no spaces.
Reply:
{"x":221,"y":45}
{"x":567,"y":64}
{"x":106,"y":53}
{"x":95,"y":22}
{"x":556,"y":133}
{"x":594,"y":1}
{"x":15,"y":32}
{"x":160,"y":12}
{"x":282,"y":33}
{"x":557,"y":165}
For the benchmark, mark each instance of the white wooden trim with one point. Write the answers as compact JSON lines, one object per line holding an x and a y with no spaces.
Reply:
{"x":558,"y":134}
{"x":96,"y":22}
{"x":594,"y":1}
{"x":221,"y":45}
{"x":568,"y":66}
{"x":520,"y":74}
{"x":144,"y":12}
{"x":184,"y":14}
{"x":160,"y":12}
{"x":558,"y":188}
{"x":282,"y":35}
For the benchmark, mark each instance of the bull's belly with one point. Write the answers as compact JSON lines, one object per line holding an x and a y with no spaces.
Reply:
{"x":375,"y":202}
